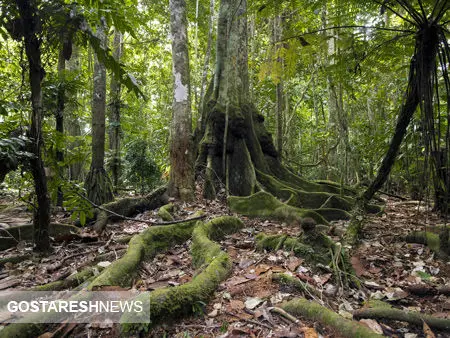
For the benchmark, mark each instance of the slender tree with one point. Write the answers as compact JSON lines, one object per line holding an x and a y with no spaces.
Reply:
{"x":98,"y":184}
{"x":181,"y":182}
{"x":30,"y":23}
{"x":114,"y":119}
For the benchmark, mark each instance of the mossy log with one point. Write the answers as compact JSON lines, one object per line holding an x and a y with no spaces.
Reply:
{"x":165,"y":212}
{"x":411,"y":317}
{"x":313,"y":311}
{"x":294,"y":283}
{"x":129,"y":207}
{"x":152,"y":241}
{"x":432,"y":240}
{"x":263,"y":204}
{"x":214,"y":265}
{"x":25,"y":233}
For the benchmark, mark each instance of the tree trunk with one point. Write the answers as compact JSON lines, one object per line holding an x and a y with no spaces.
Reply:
{"x":181,"y":182}
{"x":421,"y":69}
{"x":98,"y":184}
{"x":114,"y":121}
{"x":41,"y":218}
{"x":72,"y":121}
{"x":59,"y":118}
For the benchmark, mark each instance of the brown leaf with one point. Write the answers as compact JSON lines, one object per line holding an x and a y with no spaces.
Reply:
{"x":310,"y":332}
{"x":373,"y":325}
{"x":293,"y":263}
{"x":262,"y":268}
{"x":358,"y":266}
{"x":236,"y":305}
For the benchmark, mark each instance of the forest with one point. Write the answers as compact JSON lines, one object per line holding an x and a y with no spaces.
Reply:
{"x":246,"y":168}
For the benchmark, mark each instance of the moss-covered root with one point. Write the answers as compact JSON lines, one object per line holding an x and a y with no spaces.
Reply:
{"x":295,"y":283}
{"x":70,"y":282}
{"x":12,"y":235}
{"x":313,"y":311}
{"x":165,"y":212}
{"x":171,"y":303}
{"x":129,"y":207}
{"x":356,"y":226}
{"x":411,"y":317}
{"x":429,"y":239}
{"x":263,"y":204}
{"x":147,"y":244}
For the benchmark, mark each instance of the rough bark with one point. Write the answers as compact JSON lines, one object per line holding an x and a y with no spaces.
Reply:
{"x":114,"y":119}
{"x":59,"y":119}
{"x":421,"y":69}
{"x":71,"y":120}
{"x":181,"y":182}
{"x":41,"y":218}
{"x":98,"y":185}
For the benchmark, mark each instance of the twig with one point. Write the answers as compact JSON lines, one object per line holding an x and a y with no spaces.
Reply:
{"x":283,"y":313}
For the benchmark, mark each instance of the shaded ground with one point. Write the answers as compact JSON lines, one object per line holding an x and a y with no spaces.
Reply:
{"x":243,"y":304}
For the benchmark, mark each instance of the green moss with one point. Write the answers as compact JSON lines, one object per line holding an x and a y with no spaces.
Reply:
{"x":165,"y":212}
{"x":332,"y":214}
{"x":429,"y":239}
{"x":173,"y":302}
{"x":145,"y":245}
{"x":263,"y":204}
{"x":315,"y":312}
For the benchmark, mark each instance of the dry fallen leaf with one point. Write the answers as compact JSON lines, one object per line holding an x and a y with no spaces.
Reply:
{"x":373,"y":325}
{"x":310,"y":332}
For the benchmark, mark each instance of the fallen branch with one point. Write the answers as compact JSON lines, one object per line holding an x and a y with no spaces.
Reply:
{"x":286,"y":315}
{"x":411,"y":317}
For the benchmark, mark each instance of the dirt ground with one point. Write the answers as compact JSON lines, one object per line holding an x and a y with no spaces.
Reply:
{"x":245,"y":305}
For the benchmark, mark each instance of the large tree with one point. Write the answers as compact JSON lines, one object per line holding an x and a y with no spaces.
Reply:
{"x":181,"y":182}
{"x":98,"y":184}
{"x":236,"y":150}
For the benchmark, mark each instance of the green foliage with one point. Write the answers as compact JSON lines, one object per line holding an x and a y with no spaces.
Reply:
{"x":140,"y":169}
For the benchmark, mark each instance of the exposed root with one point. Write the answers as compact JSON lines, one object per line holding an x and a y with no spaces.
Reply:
{"x":313,"y":311}
{"x":313,"y":246}
{"x":165,"y":212}
{"x":432,"y":240}
{"x":145,"y":245}
{"x":129,"y":207}
{"x":215,"y":265}
{"x":411,"y":317}
{"x":70,"y":282}
{"x":263,"y":204}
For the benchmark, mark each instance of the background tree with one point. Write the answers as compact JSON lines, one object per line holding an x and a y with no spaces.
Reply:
{"x":181,"y":182}
{"x":98,"y":185}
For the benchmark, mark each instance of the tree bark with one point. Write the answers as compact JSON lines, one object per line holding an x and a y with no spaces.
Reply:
{"x":59,"y":119}
{"x":181,"y":181}
{"x":41,"y":218}
{"x":98,"y":184}
{"x":114,"y":121}
{"x":421,"y":69}
{"x":71,"y":120}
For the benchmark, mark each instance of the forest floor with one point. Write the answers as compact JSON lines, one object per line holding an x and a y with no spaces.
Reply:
{"x":243,"y":305}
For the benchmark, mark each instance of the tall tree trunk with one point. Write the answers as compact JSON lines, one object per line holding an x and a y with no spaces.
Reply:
{"x":421,"y":70}
{"x":59,"y":118}
{"x":41,"y":219}
{"x":181,"y":182}
{"x":98,"y":184}
{"x":72,"y":120}
{"x":114,"y":120}
{"x":277,"y":35}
